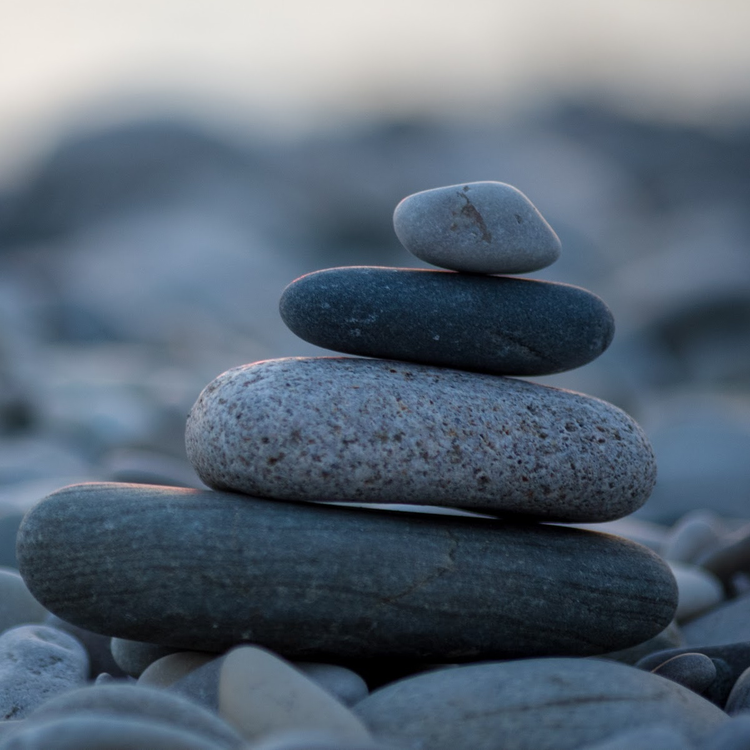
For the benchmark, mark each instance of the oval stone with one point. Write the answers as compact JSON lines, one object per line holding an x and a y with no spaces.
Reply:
{"x":492,"y":324}
{"x":345,"y":429}
{"x":203,"y":570}
{"x":479,"y":227}
{"x":534,"y":704}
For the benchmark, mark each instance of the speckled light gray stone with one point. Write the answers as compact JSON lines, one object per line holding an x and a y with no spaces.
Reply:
{"x":329,"y":583}
{"x":480,"y":227}
{"x":534,"y":704}
{"x":498,"y":325}
{"x":336,"y":428}
{"x":36,"y":663}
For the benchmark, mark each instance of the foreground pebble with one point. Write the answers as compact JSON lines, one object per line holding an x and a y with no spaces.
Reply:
{"x":539,"y":704}
{"x":261,"y":694}
{"x":36,"y":663}
{"x":383,"y":431}
{"x":432,"y":587}
{"x":497,"y":325}
{"x":480,"y":227}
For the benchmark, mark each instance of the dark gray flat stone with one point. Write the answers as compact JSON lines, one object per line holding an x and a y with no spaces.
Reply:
{"x":532,"y":704}
{"x":205,"y":570}
{"x":498,"y":325}
{"x":361,"y":430}
{"x":693,"y":671}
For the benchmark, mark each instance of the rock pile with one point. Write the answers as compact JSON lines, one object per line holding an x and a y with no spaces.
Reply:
{"x":284,"y":551}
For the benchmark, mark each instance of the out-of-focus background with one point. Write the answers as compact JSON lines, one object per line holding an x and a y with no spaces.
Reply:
{"x":166,"y":168}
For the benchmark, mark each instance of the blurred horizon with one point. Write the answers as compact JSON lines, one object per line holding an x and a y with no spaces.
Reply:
{"x":290,"y":68}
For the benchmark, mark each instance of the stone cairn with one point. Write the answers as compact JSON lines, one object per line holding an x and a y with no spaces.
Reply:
{"x":284,"y":552}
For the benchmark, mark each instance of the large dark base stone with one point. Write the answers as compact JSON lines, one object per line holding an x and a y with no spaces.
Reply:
{"x":206,"y":570}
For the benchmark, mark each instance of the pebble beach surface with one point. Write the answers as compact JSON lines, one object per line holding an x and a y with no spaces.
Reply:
{"x":414,"y":549}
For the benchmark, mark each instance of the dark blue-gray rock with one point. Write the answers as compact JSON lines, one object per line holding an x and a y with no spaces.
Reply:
{"x":739,"y":697}
{"x":670,"y":637}
{"x":727,"y":623}
{"x":345,"y":429}
{"x":128,"y":701}
{"x":730,"y":660}
{"x":204,"y":570}
{"x":693,"y":671}
{"x":539,"y":704}
{"x":731,"y":735}
{"x":133,"y":656}
{"x":643,"y":738}
{"x":479,"y":227}
{"x":498,"y":325}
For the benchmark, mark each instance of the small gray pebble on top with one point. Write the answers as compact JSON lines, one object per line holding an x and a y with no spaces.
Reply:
{"x":477,"y":227}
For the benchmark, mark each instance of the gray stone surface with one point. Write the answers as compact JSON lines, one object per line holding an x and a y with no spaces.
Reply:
{"x":537,"y":704}
{"x":731,"y":735}
{"x":133,"y":656}
{"x":340,"y":682}
{"x":730,"y":660}
{"x":498,"y":325}
{"x":670,"y":637}
{"x":694,"y":671}
{"x":480,"y":227}
{"x":695,"y":533}
{"x":656,"y":737}
{"x":739,"y":697}
{"x":144,"y":704}
{"x":17,"y":605}
{"x":36,"y":663}
{"x":332,"y":582}
{"x":91,"y":731}
{"x":335,"y":428}
{"x":727,"y":623}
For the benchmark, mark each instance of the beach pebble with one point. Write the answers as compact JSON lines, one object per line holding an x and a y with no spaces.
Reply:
{"x":382,"y":431}
{"x":670,"y":637}
{"x":201,"y":684}
{"x":261,"y":694}
{"x":521,"y":589}
{"x":308,"y":740}
{"x":731,"y":735}
{"x":105,"y":732}
{"x":699,"y":590}
{"x":342,"y":683}
{"x":479,"y":227}
{"x":137,"y":702}
{"x":692,"y":535}
{"x":655,"y":737}
{"x":727,"y":623}
{"x":36,"y":663}
{"x":532,"y":703}
{"x":173,"y":667}
{"x":497,"y":325}
{"x":739,"y":698}
{"x":694,"y":671}
{"x":17,"y":605}
{"x":132,"y":657}
{"x":728,"y":556}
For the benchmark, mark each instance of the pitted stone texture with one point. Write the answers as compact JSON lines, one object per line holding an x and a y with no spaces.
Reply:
{"x":36,"y":663}
{"x":497,"y":325}
{"x":328,"y":583}
{"x":479,"y":227}
{"x":534,"y":704}
{"x":330,"y":428}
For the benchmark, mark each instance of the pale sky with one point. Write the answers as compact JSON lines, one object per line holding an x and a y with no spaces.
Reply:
{"x":302,"y":61}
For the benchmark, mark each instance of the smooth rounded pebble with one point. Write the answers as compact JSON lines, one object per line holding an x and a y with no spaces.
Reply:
{"x":497,"y":325}
{"x":36,"y":663}
{"x":342,"y":683}
{"x":739,"y":697}
{"x":537,"y":704}
{"x":670,"y":637}
{"x":104,"y":732}
{"x":656,"y":737}
{"x":479,"y":227}
{"x":692,"y":535}
{"x":731,"y":735}
{"x":202,"y":684}
{"x":335,"y":428}
{"x":173,"y":667}
{"x":694,"y":671}
{"x":17,"y":605}
{"x":261,"y":694}
{"x":329,"y":583}
{"x":133,"y":657}
{"x":306,"y":740}
{"x":136,"y":702}
{"x":727,"y":623}
{"x":729,"y":556}
{"x":699,"y":590}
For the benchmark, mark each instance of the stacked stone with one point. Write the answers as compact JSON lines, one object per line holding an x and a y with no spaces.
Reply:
{"x":284,"y":552}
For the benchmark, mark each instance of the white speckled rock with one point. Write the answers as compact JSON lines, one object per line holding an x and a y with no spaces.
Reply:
{"x":479,"y":227}
{"x":534,"y":704}
{"x":333,"y":428}
{"x":36,"y":663}
{"x":261,"y":694}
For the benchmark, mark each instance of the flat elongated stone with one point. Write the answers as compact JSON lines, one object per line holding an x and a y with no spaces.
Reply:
{"x":376,"y":431}
{"x":539,"y":704}
{"x":498,"y":325}
{"x":207,"y":570}
{"x":480,"y":227}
